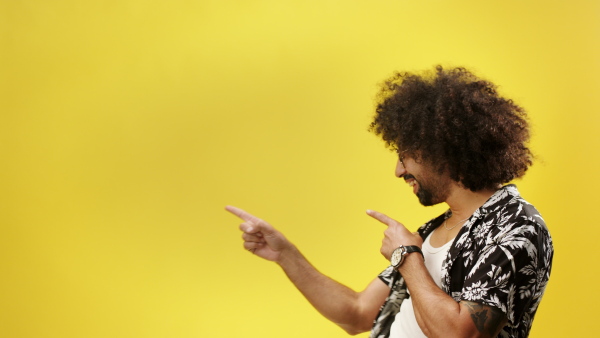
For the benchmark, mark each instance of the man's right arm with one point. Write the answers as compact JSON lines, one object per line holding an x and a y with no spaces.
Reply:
{"x":353,"y":311}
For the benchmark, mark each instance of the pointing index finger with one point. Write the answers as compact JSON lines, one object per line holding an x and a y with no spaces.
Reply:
{"x":380,"y":217}
{"x":241,"y":213}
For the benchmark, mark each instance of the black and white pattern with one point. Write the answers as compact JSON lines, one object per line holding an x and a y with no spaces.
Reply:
{"x":501,"y":257}
{"x":387,"y":313}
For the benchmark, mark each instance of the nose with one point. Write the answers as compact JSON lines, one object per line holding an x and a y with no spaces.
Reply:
{"x":400,"y":170}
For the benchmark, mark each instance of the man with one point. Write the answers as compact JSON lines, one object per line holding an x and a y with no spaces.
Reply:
{"x":481,"y":268}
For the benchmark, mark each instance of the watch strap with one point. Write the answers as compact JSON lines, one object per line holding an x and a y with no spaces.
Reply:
{"x":414,"y":248}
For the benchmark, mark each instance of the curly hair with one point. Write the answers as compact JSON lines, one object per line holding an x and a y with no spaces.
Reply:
{"x":457,"y":123}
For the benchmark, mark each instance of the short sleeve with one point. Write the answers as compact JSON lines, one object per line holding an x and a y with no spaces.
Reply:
{"x":386,"y":276}
{"x":509,"y":268}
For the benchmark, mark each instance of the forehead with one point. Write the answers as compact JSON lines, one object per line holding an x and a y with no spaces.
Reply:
{"x":408,"y":153}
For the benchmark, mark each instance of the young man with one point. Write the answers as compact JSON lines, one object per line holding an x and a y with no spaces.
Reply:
{"x":481,"y":268}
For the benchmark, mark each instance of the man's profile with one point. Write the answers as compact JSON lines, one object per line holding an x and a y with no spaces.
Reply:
{"x":480,"y":268}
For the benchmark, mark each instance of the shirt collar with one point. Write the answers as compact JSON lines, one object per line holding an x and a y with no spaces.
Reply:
{"x":508,"y":191}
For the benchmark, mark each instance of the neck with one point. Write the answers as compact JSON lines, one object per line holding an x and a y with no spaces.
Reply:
{"x":463,"y":202}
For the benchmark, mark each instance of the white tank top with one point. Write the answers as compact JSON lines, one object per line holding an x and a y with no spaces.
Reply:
{"x":405,"y":323}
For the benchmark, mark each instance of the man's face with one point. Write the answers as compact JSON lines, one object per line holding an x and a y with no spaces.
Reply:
{"x":430,"y":187}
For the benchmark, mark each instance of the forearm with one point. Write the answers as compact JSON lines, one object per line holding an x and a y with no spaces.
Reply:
{"x":437,"y":314}
{"x":336,"y":302}
{"x":353,"y":311}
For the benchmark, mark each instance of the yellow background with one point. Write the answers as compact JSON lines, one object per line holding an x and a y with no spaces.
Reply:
{"x":126,"y":126}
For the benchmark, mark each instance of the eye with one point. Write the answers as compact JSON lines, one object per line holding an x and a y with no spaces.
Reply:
{"x":401,"y":157}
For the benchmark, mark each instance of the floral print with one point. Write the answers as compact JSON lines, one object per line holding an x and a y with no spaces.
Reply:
{"x":501,"y":257}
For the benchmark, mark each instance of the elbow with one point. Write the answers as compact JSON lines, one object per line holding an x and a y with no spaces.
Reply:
{"x":353,"y":331}
{"x":359,"y":319}
{"x":356,"y":328}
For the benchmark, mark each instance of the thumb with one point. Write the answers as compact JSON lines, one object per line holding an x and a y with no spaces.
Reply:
{"x":257,"y":226}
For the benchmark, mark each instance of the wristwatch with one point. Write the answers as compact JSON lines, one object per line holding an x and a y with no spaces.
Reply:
{"x":398,"y":255}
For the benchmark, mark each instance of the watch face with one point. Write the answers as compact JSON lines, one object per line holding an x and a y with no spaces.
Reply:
{"x":396,"y":258}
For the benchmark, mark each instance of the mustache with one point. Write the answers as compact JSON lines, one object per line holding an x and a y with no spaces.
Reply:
{"x":408,"y":177}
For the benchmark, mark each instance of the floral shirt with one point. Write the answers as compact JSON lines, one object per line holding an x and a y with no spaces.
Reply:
{"x":501,"y":257}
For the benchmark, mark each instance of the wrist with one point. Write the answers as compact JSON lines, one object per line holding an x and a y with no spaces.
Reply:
{"x":411,"y":262}
{"x":400,"y":254}
{"x":288,"y":255}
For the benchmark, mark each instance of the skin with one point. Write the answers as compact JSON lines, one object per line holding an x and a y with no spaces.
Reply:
{"x":437,"y":314}
{"x":352,"y":311}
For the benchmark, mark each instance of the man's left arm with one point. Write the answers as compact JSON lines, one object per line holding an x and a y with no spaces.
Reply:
{"x":439,"y":315}
{"x":436,"y":312}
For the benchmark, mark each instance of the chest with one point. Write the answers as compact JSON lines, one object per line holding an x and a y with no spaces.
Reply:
{"x":441,"y":236}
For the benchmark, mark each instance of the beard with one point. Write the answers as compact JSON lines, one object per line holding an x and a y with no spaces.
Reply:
{"x":432,"y":190}
{"x":425,"y":196}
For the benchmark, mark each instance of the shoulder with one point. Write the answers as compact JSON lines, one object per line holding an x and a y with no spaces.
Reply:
{"x":515,"y":230}
{"x":513,"y":224}
{"x":511,"y":212}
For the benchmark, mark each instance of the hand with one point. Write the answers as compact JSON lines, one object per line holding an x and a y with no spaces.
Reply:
{"x":259,"y":236}
{"x":395,"y":235}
